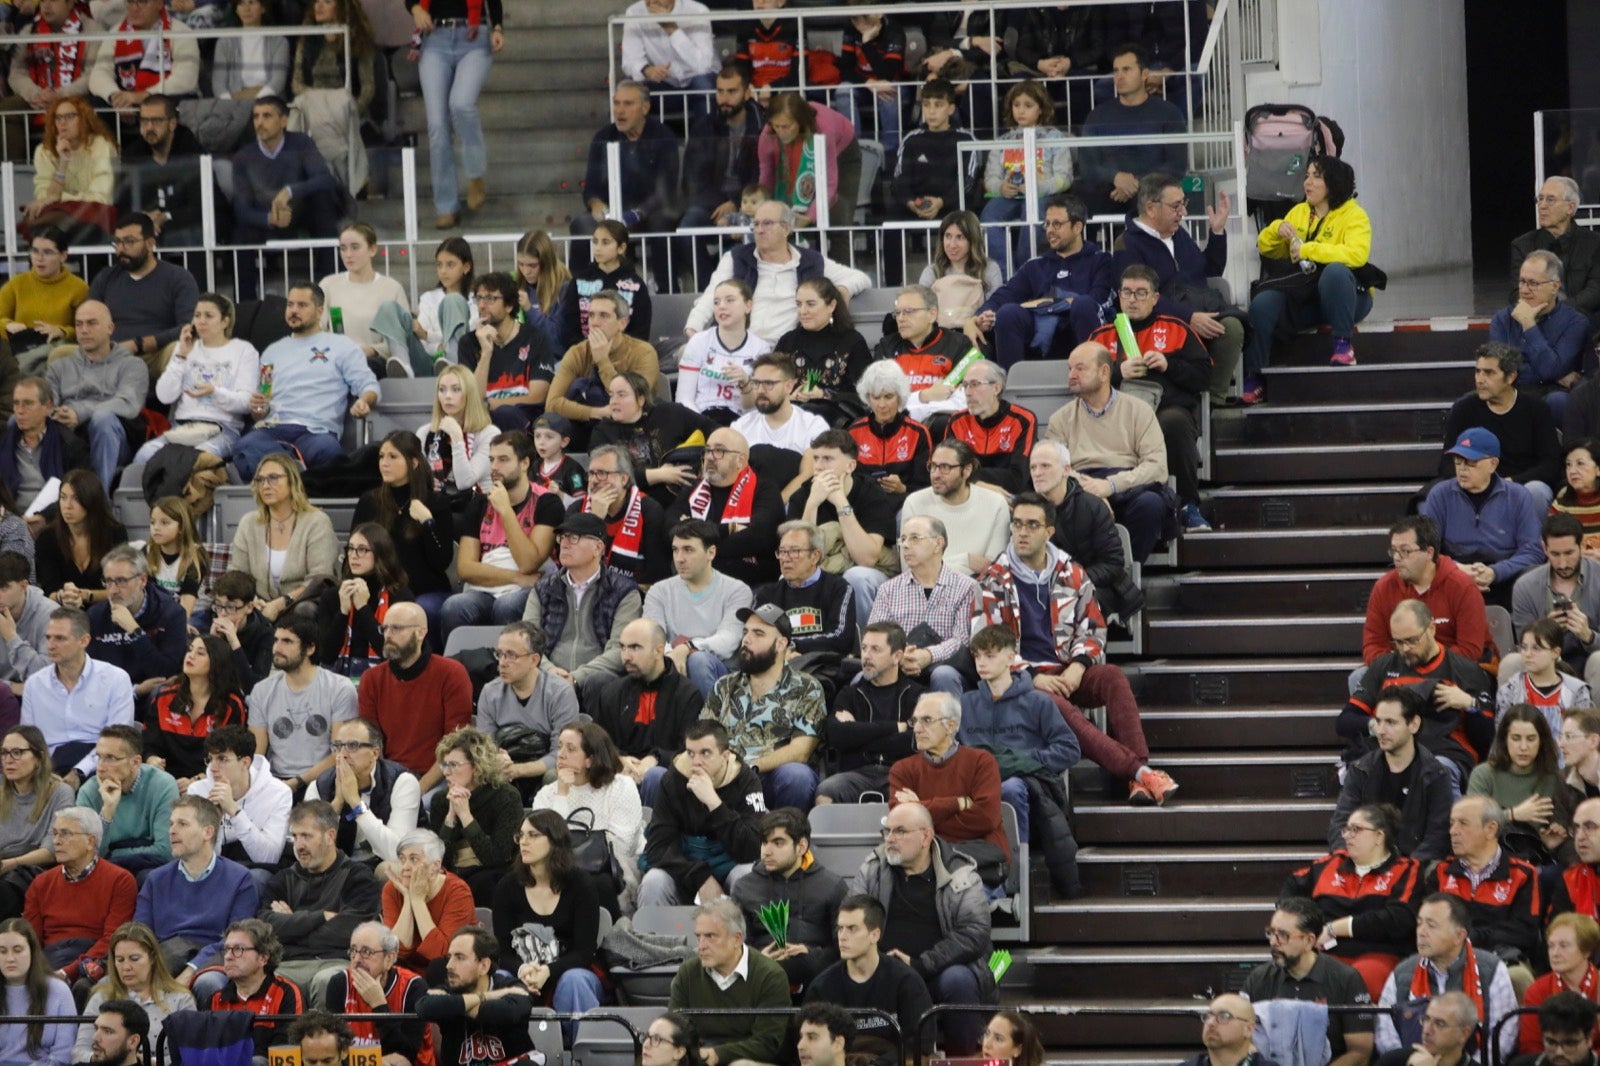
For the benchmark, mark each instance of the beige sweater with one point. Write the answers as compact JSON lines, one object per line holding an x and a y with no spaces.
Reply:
{"x":1126,"y":437}
{"x":313,"y":552}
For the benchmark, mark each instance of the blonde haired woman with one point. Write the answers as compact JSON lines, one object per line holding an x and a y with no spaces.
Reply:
{"x":455,"y":441}
{"x":135,"y":970}
{"x":286,"y":541}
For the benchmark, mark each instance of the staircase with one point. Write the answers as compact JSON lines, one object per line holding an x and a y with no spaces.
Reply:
{"x":1250,"y":638}
{"x":543,"y":102}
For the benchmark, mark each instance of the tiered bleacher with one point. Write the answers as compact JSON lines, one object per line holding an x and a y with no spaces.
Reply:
{"x":768,"y":613}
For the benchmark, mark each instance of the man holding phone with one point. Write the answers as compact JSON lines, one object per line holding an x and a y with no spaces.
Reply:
{"x":1567,"y":589}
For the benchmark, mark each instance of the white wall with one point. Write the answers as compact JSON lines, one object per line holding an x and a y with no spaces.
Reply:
{"x":1393,"y":74}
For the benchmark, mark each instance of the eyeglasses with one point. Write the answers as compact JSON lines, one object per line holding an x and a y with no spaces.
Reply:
{"x":271,"y":479}
{"x":982,"y":383}
{"x":398,"y":627}
{"x":907,"y":312}
{"x":1404,"y":552}
{"x":1173,"y":205}
{"x":233,"y":951}
{"x":912,"y":538}
{"x":765,"y":223}
{"x":1031,"y":525}
{"x":486,"y":298}
{"x":222,"y":607}
{"x":1573,"y":738}
{"x":569,"y":538}
{"x":452,"y":765}
{"x":946,"y":468}
{"x":721,"y":453}
{"x":120,"y":582}
{"x":657,"y":1038}
{"x":61,"y":834}
{"x":604,"y":473}
{"x":1408,"y":642}
{"x":115,"y":759}
{"x":767,"y":383}
{"x":1136,"y":294}
{"x":1222,"y":1017}
{"x":1278,"y":935}
{"x":358,"y":549}
{"x":367,"y":953}
{"x":16,"y":753}
{"x":925,"y":719}
{"x":1548,"y":199}
{"x":126,"y":242}
{"x":509,"y":656}
{"x":351,"y":745}
{"x":792,"y":553}
{"x":1534,"y":283}
{"x":1351,"y":829}
{"x":899,"y":831}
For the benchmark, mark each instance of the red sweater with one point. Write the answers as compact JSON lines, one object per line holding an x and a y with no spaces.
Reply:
{"x":451,"y":909}
{"x":940,"y":786}
{"x":416,"y":707}
{"x":1457,"y":608}
{"x":59,"y":909}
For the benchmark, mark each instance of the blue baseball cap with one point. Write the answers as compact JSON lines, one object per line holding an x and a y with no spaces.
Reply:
{"x":1476,"y":443}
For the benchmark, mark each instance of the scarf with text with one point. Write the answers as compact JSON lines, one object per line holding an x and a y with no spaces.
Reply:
{"x":740,"y":507}
{"x":55,"y":66}
{"x":627,"y":535}
{"x":142,"y":64}
{"x":1471,"y":984}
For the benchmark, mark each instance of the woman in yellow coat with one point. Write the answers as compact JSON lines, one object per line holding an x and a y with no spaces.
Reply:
{"x":1329,"y":230}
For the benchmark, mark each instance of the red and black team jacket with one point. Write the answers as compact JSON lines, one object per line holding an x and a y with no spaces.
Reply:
{"x":1381,"y":903}
{"x":1188,"y":372}
{"x":1003,"y":442}
{"x":1462,"y":737}
{"x":773,"y":53}
{"x":902,"y":448}
{"x":1504,"y":907}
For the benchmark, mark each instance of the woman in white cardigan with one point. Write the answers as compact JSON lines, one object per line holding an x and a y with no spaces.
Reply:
{"x":589,"y":775}
{"x":286,"y":541}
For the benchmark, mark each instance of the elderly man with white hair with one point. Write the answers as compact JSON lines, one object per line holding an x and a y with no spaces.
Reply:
{"x":1085,"y":528}
{"x":1558,"y":232}
{"x":1552,"y":335}
{"x":76,"y":905}
{"x":374,"y":984}
{"x":774,"y":269}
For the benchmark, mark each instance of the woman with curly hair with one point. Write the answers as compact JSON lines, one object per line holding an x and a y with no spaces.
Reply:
{"x":476,"y":813}
{"x":74,"y":180}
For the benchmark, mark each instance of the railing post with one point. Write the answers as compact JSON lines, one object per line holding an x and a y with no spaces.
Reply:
{"x":8,"y":204}
{"x":819,"y":174}
{"x":613,"y":180}
{"x":1030,"y":188}
{"x":208,"y":221}
{"x":1538,"y":162}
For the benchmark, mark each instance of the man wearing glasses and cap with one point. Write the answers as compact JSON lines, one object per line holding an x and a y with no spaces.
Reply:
{"x":1487,"y":524}
{"x":583,"y":609}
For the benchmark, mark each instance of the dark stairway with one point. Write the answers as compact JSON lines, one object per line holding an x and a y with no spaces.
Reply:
{"x":1249,"y":641}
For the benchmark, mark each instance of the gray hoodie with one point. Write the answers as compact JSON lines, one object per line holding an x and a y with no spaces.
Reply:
{"x":116,"y":384}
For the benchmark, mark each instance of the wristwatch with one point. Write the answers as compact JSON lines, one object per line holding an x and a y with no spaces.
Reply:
{"x":846,"y":511}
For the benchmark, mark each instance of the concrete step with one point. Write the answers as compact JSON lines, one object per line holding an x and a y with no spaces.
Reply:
{"x":1397,"y":345}
{"x":1302,"y":463}
{"x":1172,"y":729}
{"x":1226,"y":775}
{"x":1282,"y":506}
{"x":1188,"y":870}
{"x":1251,"y":592}
{"x":1165,"y":920}
{"x":1252,"y":821}
{"x":1336,"y":423}
{"x":1175,"y":635}
{"x":1328,"y":546}
{"x":1368,"y":381}
{"x":1250,"y":683}
{"x":1178,"y":970}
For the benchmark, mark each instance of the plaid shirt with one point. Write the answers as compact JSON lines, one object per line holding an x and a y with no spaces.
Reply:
{"x":948,"y":611}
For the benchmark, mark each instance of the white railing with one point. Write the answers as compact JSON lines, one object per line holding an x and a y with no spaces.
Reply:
{"x":1258,"y":31}
{"x":18,"y":41}
{"x":1566,"y":131}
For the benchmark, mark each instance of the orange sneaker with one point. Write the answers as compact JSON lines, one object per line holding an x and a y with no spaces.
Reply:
{"x":1157,"y":784}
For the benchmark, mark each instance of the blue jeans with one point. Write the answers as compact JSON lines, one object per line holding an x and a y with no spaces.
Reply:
{"x":963,"y":1030}
{"x":1015,"y":792}
{"x":315,"y":448}
{"x":704,"y":669}
{"x":432,"y":604}
{"x":108,"y":446}
{"x":453,"y":69}
{"x":851,"y":101}
{"x":473,"y":607}
{"x":220,"y":445}
{"x":577,"y":991}
{"x":650,"y":787}
{"x":1338,"y":303}
{"x":794,"y":784}
{"x":693,"y":105}
{"x":864,"y":582}
{"x":1007,"y":209}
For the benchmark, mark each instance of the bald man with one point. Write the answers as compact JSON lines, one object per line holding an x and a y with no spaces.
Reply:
{"x":1501,"y":891}
{"x":648,"y":709}
{"x":415,"y":696}
{"x":1225,"y":1030}
{"x":1447,"y":1027}
{"x":745,"y":505}
{"x":100,"y":389}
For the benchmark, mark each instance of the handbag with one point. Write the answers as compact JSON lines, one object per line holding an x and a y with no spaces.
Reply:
{"x":592,"y":849}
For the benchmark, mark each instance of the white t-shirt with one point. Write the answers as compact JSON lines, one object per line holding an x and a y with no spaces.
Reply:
{"x":703,"y":382}
{"x":795,"y":434}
